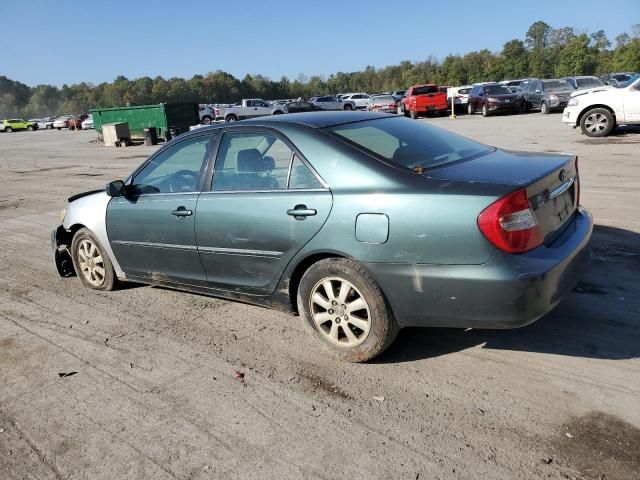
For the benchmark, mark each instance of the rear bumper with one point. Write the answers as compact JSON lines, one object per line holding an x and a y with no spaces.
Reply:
{"x":429,"y":108}
{"x":506,"y":292}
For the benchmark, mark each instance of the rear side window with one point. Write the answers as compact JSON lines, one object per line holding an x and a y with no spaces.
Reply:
{"x":301,"y":176}
{"x":409,"y":144}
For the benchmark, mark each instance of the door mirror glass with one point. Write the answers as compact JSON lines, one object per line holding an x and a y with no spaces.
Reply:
{"x":116,"y":189}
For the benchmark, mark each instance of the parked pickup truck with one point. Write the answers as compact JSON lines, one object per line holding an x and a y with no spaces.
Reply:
{"x":424,"y":99}
{"x":249,"y":108}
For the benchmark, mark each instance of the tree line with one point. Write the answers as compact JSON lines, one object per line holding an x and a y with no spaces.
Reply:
{"x":545,"y":52}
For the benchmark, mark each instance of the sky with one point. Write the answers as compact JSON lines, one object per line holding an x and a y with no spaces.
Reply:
{"x":57,"y":42}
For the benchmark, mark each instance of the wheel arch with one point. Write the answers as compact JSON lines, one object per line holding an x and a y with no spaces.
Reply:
{"x":591,"y":107}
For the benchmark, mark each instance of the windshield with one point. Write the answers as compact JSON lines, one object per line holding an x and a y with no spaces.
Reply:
{"x":630,"y":81}
{"x":497,"y":90}
{"x":588,"y":82}
{"x":409,"y":144}
{"x":555,"y":85}
{"x":425,"y":89}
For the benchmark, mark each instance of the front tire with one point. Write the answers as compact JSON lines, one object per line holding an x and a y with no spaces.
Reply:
{"x":206,"y":120}
{"x":485,"y":110}
{"x":9,"y":130}
{"x":413,"y":114}
{"x":544,"y":108}
{"x":30,"y":128}
{"x":91,"y":262}
{"x":348,"y":107}
{"x":598,"y":122}
{"x":470,"y":110}
{"x":345,"y":310}
{"x":231,"y":118}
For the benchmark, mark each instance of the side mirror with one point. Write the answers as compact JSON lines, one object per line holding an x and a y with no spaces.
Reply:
{"x":116,"y":188}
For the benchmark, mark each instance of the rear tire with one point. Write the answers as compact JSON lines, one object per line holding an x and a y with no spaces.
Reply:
{"x":59,"y":128}
{"x":348,"y":107}
{"x":231,"y":118}
{"x":48,"y":127}
{"x":91,"y":262}
{"x":598,"y":122}
{"x":345,"y":310}
{"x":9,"y":130}
{"x":413,"y":114}
{"x":206,"y":120}
{"x":470,"y":110}
{"x":544,"y":108}
{"x":30,"y":128}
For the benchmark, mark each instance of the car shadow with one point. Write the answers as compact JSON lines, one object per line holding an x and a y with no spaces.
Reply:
{"x":599,"y":319}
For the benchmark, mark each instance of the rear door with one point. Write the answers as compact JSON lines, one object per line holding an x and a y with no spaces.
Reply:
{"x":152,"y":230}
{"x":264,"y":205}
{"x":631,"y":99}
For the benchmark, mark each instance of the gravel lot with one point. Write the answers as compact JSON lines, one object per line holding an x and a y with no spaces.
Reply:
{"x":155,"y":396}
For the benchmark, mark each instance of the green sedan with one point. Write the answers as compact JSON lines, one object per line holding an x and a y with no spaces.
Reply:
{"x":17,"y":124}
{"x":359,"y":223}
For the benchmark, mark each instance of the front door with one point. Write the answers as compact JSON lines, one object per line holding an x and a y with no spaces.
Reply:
{"x":152,"y":229}
{"x":265,"y":204}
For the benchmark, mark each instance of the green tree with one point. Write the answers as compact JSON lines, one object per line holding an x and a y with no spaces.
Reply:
{"x":537,"y":41}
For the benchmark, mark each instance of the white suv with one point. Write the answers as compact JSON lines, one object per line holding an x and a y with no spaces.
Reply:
{"x":599,"y":110}
{"x":360,"y":100}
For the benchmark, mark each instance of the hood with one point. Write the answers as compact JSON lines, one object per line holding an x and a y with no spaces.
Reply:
{"x":603,"y":88}
{"x":562,"y":93}
{"x":502,"y":167}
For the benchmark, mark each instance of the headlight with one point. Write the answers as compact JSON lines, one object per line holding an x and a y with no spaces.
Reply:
{"x":572,"y":102}
{"x":553,"y":98}
{"x":62,"y":214}
{"x":493,"y":99}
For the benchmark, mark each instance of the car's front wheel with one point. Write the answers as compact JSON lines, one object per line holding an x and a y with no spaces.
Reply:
{"x":8,"y":129}
{"x":348,"y":107}
{"x":30,"y":128}
{"x":597,"y":122}
{"x":91,"y":262}
{"x":470,"y":109}
{"x":345,"y":310}
{"x":544,"y":108}
{"x":485,"y":110}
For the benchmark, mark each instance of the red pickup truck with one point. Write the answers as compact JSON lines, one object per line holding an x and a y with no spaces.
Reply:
{"x":424,"y":99}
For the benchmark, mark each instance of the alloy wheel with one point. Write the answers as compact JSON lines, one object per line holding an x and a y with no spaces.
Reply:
{"x":91,"y":263}
{"x":340,"y":312}
{"x":596,"y":122}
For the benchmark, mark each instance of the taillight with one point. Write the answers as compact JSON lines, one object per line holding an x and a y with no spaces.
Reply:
{"x":577,"y":184}
{"x":510,"y":224}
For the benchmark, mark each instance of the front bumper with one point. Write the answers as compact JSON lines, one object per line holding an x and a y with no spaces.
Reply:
{"x":570,"y":115}
{"x":504,"y":107}
{"x":60,"y":240}
{"x":506,"y":292}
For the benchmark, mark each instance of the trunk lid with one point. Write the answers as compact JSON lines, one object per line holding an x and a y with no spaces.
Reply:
{"x":551,"y":182}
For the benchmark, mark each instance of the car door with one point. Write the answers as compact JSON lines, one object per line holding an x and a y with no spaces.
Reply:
{"x":264,"y":205}
{"x":262,"y":108}
{"x":152,"y":229}
{"x":537,"y":90}
{"x":631,"y":103}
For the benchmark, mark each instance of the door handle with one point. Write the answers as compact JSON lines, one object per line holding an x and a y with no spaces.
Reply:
{"x":181,"y":212}
{"x":299,"y":212}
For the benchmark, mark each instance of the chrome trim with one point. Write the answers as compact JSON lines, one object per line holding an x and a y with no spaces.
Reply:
{"x":241,"y":251}
{"x":282,"y":190}
{"x":130,"y":243}
{"x":556,"y":192}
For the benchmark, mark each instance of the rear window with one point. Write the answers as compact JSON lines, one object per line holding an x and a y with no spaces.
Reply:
{"x":464,"y":91}
{"x":588,"y":82}
{"x":409,"y":144}
{"x":425,"y":89}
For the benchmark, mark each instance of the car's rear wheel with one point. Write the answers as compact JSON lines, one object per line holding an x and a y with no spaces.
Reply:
{"x":91,"y":262}
{"x":413,"y":114}
{"x":544,"y":108}
{"x":597,"y":122}
{"x":30,"y":128}
{"x":8,"y":129}
{"x":49,"y":127}
{"x":345,"y":310}
{"x":470,"y":109}
{"x":206,"y":120}
{"x":485,"y":110}
{"x":59,"y":128}
{"x":348,"y":107}
{"x":231,"y":118}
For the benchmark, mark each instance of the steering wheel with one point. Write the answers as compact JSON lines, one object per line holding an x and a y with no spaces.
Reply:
{"x":183,"y":181}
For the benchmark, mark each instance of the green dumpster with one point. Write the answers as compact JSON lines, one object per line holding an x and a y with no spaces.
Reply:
{"x":163,"y":116}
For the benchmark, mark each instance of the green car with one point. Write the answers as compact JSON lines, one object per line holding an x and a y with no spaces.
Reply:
{"x":360,"y":223}
{"x":17,"y":124}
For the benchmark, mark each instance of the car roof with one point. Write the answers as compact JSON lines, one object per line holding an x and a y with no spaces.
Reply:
{"x":317,"y":119}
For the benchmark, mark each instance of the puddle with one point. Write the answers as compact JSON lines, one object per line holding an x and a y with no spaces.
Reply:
{"x":600,"y":446}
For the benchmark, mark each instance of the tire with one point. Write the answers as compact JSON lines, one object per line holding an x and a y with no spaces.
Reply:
{"x":413,"y":114}
{"x":59,"y":128}
{"x":597,"y":122}
{"x":90,"y":275}
{"x":470,"y":110}
{"x":206,"y":120}
{"x":524,"y":108}
{"x":544,"y":108}
{"x":348,"y":107}
{"x":277,"y":112}
{"x":485,"y":110}
{"x":231,"y":118}
{"x":399,"y":110}
{"x":9,"y":130}
{"x":376,"y":328}
{"x":49,"y":127}
{"x":29,"y":128}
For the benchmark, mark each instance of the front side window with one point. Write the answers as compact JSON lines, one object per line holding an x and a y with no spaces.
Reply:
{"x":251,"y":161}
{"x":409,"y":144}
{"x":176,"y":169}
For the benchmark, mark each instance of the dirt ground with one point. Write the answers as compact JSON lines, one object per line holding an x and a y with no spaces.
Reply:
{"x":139,"y":383}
